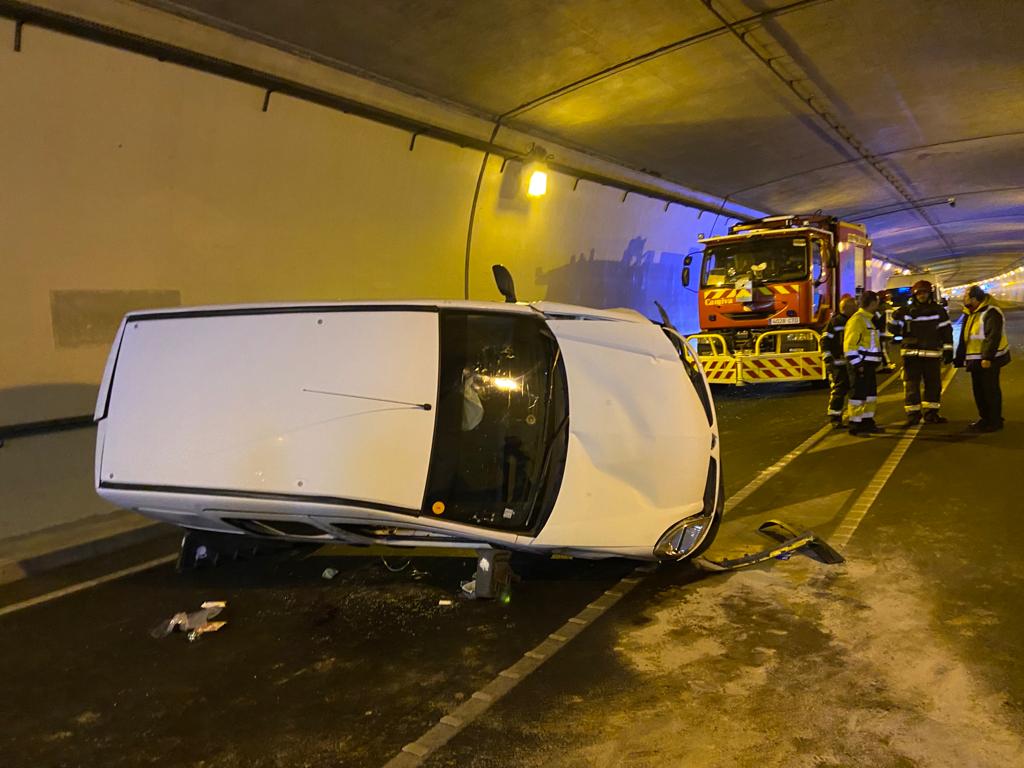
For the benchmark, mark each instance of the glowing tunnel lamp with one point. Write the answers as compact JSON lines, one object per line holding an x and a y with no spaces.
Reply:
{"x":538,"y":184}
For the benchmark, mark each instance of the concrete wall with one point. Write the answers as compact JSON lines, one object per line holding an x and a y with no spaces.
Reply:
{"x":126,"y":179}
{"x":129,"y":183}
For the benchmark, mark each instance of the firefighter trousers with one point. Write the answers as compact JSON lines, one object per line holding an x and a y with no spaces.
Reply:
{"x":864,"y":392}
{"x":838,"y":389}
{"x":918,"y":371}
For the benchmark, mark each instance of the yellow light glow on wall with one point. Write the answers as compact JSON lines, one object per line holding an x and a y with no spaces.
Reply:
{"x":538,"y":184}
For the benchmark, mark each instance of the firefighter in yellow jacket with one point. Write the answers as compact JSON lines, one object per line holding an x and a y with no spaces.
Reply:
{"x":862,"y":347}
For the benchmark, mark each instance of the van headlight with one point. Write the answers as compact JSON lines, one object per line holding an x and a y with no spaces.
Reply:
{"x":683,"y":537}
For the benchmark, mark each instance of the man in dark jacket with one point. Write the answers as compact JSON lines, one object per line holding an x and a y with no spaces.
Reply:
{"x":926,"y":339}
{"x":984,"y":350}
{"x":835,"y":360}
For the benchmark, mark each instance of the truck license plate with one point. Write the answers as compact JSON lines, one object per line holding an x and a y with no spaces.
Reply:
{"x":785,"y":321}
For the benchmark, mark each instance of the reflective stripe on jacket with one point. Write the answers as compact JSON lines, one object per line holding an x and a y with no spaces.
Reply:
{"x":832,"y":339}
{"x":860,"y":341}
{"x":925,"y":329}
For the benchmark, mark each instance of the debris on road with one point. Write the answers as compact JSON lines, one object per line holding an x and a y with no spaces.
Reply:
{"x":329,"y":573}
{"x":445,"y":601}
{"x":195,"y":623}
{"x":788,"y":542}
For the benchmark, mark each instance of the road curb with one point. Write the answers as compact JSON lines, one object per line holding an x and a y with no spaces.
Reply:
{"x":34,"y":553}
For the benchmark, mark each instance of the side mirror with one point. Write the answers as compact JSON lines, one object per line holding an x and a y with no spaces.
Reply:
{"x":687,"y":261}
{"x":686,"y":277}
{"x":506,"y":285}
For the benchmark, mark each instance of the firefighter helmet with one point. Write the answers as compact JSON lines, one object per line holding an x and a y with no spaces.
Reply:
{"x":921,"y":286}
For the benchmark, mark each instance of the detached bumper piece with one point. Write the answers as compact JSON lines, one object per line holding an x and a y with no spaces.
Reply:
{"x":788,"y":542}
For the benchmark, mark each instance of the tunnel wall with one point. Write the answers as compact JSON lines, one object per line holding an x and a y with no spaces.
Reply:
{"x":130,"y":183}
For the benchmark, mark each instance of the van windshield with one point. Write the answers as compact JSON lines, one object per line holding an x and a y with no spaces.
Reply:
{"x":771,"y":259}
{"x":500,"y":432}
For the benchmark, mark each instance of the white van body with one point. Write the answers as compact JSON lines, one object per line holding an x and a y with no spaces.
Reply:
{"x":355,"y":423}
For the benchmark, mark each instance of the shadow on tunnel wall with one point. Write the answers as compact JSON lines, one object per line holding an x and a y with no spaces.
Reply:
{"x":45,"y":402}
{"x":638,"y":279}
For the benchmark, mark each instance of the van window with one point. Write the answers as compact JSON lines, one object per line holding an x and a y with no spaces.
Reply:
{"x":501,"y":427}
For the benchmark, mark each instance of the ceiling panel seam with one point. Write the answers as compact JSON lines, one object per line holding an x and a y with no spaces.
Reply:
{"x":815,"y":102}
{"x":651,"y":55}
{"x":891,"y":153}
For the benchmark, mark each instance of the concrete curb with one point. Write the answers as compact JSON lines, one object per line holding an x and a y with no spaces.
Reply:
{"x":33,"y":553}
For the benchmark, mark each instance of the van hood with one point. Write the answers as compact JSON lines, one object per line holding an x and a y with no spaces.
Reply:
{"x":635,"y":423}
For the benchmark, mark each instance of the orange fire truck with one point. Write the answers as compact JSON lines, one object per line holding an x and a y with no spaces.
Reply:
{"x":766,"y":291}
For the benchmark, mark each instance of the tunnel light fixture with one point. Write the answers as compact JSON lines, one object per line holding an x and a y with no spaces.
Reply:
{"x":536,"y":171}
{"x":538,"y":185}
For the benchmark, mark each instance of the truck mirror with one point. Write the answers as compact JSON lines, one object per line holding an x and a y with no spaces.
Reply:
{"x":506,"y":285}
{"x":686,"y":277}
{"x":687,"y":261}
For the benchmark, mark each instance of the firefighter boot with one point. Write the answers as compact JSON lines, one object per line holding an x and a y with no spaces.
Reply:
{"x":932,"y":417}
{"x":836,"y":421}
{"x":868,"y":427}
{"x":913,"y":418}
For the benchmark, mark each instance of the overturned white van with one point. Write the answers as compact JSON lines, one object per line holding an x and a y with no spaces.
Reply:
{"x":546,"y":428}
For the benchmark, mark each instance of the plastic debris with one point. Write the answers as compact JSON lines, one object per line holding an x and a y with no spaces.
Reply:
{"x":329,"y":573}
{"x":469,"y":587}
{"x":195,"y":623}
{"x":210,"y":626}
{"x":444,"y":601}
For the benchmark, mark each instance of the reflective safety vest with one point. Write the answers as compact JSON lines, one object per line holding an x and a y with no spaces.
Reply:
{"x":860,"y":341}
{"x":974,"y":334}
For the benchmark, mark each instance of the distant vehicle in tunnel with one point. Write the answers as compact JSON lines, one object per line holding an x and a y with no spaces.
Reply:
{"x":540,"y":427}
{"x":768,"y":288}
{"x":899,"y":294}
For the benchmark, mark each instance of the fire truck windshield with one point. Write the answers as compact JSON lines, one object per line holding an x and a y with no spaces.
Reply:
{"x":771,"y":260}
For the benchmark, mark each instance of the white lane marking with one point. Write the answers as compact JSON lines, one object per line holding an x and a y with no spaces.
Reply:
{"x":852,"y":519}
{"x":86,"y":584}
{"x":767,"y":474}
{"x":414,"y":753}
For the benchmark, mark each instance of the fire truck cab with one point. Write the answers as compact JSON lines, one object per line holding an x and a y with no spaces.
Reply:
{"x":766,"y":291}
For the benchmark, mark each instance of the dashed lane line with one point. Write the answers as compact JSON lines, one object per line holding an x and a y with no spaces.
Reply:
{"x":767,"y":474}
{"x":855,"y":516}
{"x":83,"y":585}
{"x":416,"y":752}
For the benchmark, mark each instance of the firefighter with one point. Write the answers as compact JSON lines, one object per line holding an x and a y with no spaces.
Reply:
{"x":862,"y":348}
{"x":984,"y":350}
{"x":835,"y":359}
{"x":885,"y":338}
{"x":927,"y":343}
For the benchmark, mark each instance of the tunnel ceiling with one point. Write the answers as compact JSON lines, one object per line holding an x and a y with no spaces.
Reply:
{"x":874,"y":110}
